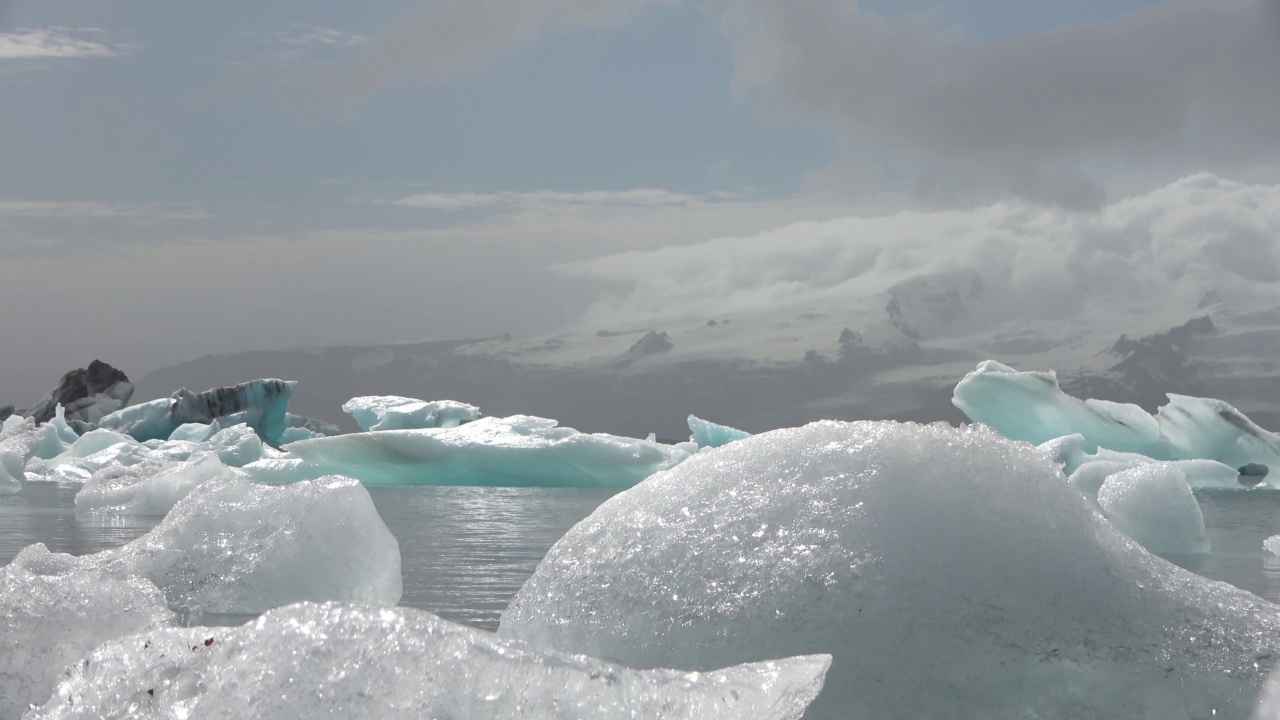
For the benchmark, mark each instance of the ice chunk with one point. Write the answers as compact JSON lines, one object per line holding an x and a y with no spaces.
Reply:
{"x":1153,"y":504}
{"x":146,"y":492}
{"x":263,"y":403}
{"x":50,"y":621}
{"x":1272,"y":545}
{"x":336,"y":661}
{"x":231,"y":546}
{"x":519,"y":450}
{"x":709,"y":434}
{"x":391,"y":412}
{"x":1030,"y":406}
{"x":11,"y":474}
{"x":951,"y":573}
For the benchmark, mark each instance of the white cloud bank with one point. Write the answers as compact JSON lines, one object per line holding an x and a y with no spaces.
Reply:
{"x":58,"y":43}
{"x":1171,"y":245}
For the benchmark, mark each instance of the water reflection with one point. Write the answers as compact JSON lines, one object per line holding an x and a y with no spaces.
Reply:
{"x":465,"y":551}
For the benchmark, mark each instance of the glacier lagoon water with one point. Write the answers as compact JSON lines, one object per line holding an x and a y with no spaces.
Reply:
{"x":465,"y":551}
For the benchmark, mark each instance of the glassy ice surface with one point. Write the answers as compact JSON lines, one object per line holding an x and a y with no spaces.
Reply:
{"x":465,"y":551}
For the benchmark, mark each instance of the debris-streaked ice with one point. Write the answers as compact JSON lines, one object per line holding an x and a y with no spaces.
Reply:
{"x":261,"y":404}
{"x":709,"y":434}
{"x":520,"y":450}
{"x":49,"y":621}
{"x":338,"y":661}
{"x":950,"y":572}
{"x":392,"y":412}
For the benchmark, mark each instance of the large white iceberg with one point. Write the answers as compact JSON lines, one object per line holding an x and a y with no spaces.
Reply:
{"x":48,"y":622}
{"x":1030,"y":406}
{"x":336,"y":661}
{"x":518,"y":450}
{"x":950,"y":572}
{"x":232,"y":546}
{"x":392,"y":412}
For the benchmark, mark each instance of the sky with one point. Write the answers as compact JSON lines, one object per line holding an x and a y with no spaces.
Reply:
{"x":184,"y":179}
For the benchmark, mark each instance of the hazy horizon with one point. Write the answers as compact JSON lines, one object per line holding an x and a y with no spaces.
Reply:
{"x":193,"y":180}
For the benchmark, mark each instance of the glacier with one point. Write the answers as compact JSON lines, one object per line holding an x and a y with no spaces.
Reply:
{"x":392,"y":412}
{"x":338,"y":661}
{"x":520,"y":450}
{"x":949,"y":572}
{"x":1030,"y":406}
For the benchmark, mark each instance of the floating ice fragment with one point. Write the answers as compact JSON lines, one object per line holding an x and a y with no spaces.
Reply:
{"x":1272,"y":545}
{"x":1153,"y":504}
{"x":232,"y":546}
{"x":519,"y":451}
{"x":709,"y":434}
{"x":950,"y":572}
{"x":263,"y":403}
{"x":1030,"y":406}
{"x":336,"y":661}
{"x":391,"y":412}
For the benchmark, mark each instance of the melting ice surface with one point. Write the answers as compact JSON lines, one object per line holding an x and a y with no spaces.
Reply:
{"x":392,"y":412}
{"x":517,"y":450}
{"x":230,"y":546}
{"x":336,"y":661}
{"x":950,"y":573}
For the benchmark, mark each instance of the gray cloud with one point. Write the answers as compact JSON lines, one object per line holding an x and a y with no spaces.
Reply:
{"x":1194,"y":81}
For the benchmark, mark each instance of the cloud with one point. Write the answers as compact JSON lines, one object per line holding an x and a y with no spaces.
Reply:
{"x":303,"y":35}
{"x":90,"y":210}
{"x":58,"y":43}
{"x":1199,"y":233}
{"x":1185,"y":80}
{"x":550,"y":200}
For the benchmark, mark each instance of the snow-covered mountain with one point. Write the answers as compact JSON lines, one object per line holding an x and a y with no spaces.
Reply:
{"x":894,"y":354}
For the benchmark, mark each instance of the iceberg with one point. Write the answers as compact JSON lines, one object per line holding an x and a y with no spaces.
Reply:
{"x":1272,"y":545}
{"x":232,"y":546}
{"x":148,"y":491}
{"x":86,"y":394}
{"x":48,"y":622}
{"x":949,"y":572}
{"x":711,"y":435}
{"x":1030,"y":406}
{"x":336,"y":661}
{"x":1153,"y":504}
{"x":392,"y":412}
{"x":520,"y":451}
{"x":261,"y":404}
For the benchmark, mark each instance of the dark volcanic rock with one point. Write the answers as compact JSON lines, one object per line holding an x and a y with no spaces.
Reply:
{"x":653,"y":343}
{"x":5,"y":412}
{"x":86,"y":394}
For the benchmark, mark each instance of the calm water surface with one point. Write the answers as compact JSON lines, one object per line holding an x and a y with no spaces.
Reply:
{"x":466,"y":551}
